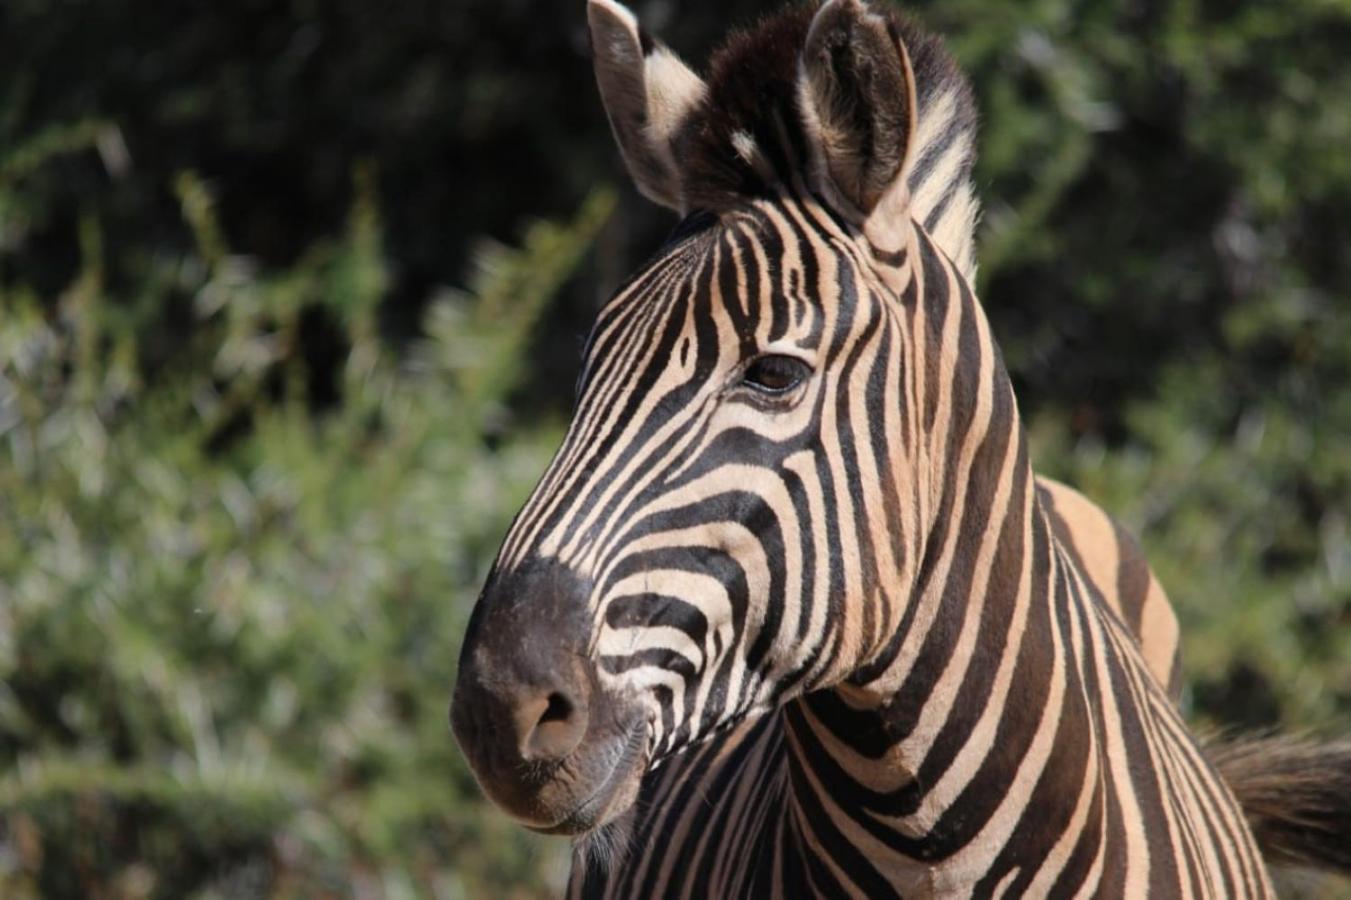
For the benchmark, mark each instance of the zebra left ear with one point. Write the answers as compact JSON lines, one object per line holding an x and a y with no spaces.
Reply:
{"x":648,"y":95}
{"x":857,"y":93}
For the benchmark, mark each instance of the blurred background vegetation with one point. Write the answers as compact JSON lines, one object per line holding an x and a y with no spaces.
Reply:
{"x":291,"y":301}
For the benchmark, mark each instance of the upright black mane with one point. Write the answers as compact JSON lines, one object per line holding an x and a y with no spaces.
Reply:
{"x":753,"y":92}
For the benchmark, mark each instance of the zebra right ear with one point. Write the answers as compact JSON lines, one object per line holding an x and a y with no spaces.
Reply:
{"x":648,"y":94}
{"x":857,"y":92}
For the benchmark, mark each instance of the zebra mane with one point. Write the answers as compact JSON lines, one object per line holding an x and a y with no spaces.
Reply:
{"x":752,"y":94}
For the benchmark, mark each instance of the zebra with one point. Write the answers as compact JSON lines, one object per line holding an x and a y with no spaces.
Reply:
{"x":789,"y":614}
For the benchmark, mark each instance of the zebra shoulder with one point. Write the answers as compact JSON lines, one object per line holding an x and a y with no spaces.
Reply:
{"x":1113,"y":562}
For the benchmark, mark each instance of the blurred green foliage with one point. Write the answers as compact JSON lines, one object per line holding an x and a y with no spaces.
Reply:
{"x":254,"y":462}
{"x":225,"y":664}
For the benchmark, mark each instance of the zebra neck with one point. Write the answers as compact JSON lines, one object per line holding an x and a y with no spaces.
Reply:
{"x":922,"y":789}
{"x":963,"y":724}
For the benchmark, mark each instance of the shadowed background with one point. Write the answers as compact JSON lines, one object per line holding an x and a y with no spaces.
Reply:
{"x":292,"y":296}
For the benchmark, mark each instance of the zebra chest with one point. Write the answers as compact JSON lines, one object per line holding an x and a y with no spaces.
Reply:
{"x":709,"y":822}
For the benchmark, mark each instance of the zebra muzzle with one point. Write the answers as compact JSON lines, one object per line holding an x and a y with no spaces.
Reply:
{"x":546,"y":741}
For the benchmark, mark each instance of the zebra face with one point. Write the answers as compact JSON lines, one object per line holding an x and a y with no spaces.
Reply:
{"x":675,"y":571}
{"x":732,"y":518}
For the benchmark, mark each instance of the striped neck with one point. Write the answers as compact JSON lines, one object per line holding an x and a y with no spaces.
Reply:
{"x":1007,"y":732}
{"x":903,"y":785}
{"x":908,"y":734}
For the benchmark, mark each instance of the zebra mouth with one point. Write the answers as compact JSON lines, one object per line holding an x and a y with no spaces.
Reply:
{"x":615,"y":791}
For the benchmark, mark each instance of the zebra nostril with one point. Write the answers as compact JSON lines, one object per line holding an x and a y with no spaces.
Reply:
{"x":558,"y":710}
{"x":558,"y":727}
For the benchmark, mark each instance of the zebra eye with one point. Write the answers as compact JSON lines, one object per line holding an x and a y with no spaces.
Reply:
{"x":775,"y":374}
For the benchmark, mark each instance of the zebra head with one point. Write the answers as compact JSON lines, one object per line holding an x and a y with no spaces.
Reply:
{"x":739,"y":507}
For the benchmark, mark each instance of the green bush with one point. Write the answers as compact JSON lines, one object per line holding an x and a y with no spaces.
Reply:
{"x":229,"y":625}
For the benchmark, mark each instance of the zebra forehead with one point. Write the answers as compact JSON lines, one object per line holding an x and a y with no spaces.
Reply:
{"x":762,"y":263}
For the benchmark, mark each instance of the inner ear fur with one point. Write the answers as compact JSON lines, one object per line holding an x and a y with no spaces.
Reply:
{"x":857,"y":96}
{"x":648,"y":94}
